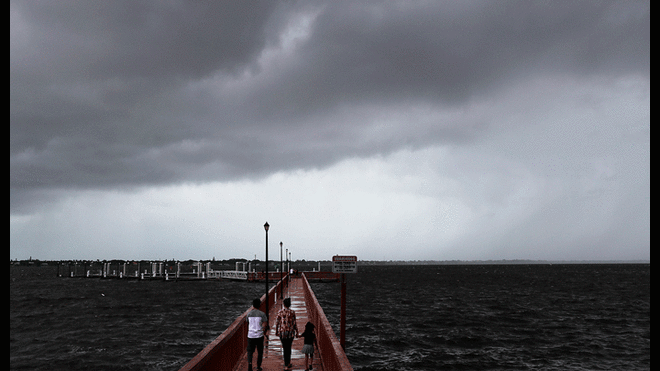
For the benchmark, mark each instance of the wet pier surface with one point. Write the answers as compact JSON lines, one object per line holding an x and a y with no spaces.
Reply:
{"x":273,"y":358}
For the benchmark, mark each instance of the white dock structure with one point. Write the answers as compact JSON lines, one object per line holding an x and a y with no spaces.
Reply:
{"x":155,"y":270}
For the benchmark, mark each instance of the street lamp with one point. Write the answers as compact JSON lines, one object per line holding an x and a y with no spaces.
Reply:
{"x":281,"y":271}
{"x":266,"y":226}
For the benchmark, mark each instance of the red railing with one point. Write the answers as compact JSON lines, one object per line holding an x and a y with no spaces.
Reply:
{"x":321,"y":276}
{"x":261,"y":276}
{"x":331,"y":353}
{"x":227,"y":349}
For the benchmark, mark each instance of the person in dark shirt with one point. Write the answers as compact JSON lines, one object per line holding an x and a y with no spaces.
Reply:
{"x":308,"y":347}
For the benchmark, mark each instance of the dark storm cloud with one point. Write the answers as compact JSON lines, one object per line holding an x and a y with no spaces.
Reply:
{"x":130,"y":93}
{"x":143,"y":38}
{"x":93,"y":66}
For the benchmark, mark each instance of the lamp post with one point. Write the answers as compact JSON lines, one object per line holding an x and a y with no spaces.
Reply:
{"x":266,"y":226}
{"x":281,"y":271}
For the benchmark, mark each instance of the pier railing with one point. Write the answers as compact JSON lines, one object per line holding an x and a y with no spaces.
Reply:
{"x":314,"y":276}
{"x":331,"y":353}
{"x":223,"y":353}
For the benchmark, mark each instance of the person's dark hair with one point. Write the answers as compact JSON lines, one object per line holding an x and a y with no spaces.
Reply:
{"x":309,"y":327}
{"x":256,"y":303}
{"x":287,"y":302}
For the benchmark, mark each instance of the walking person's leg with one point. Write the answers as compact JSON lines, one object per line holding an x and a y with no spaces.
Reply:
{"x":286,"y":350}
{"x":260,"y":352}
{"x":250,"y":351}
{"x":283,"y":341}
{"x":311,"y":357}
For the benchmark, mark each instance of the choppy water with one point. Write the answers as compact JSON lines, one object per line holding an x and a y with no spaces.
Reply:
{"x":467,"y":317}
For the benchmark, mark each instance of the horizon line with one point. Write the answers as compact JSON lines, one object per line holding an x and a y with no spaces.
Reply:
{"x":390,"y":261}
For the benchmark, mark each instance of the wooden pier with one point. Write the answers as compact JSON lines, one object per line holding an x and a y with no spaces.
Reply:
{"x":228,"y":351}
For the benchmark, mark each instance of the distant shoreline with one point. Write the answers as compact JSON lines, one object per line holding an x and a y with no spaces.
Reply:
{"x":501,"y":262}
{"x":303,"y":263}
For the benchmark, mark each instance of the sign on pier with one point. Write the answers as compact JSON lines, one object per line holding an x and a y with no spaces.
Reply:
{"x":344,"y":264}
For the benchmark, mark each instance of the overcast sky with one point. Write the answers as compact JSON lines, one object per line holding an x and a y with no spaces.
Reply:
{"x":384,"y":129}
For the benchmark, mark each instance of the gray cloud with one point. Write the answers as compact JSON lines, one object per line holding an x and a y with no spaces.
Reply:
{"x":128,"y":94}
{"x":447,"y":53}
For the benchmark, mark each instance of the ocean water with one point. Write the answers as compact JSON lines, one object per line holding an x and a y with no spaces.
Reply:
{"x":444,"y":317}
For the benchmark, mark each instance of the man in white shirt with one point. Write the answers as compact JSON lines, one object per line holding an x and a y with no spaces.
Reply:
{"x":257,"y":325}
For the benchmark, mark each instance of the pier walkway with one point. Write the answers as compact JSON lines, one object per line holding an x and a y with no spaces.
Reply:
{"x":228,"y":351}
{"x":273,"y":359}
